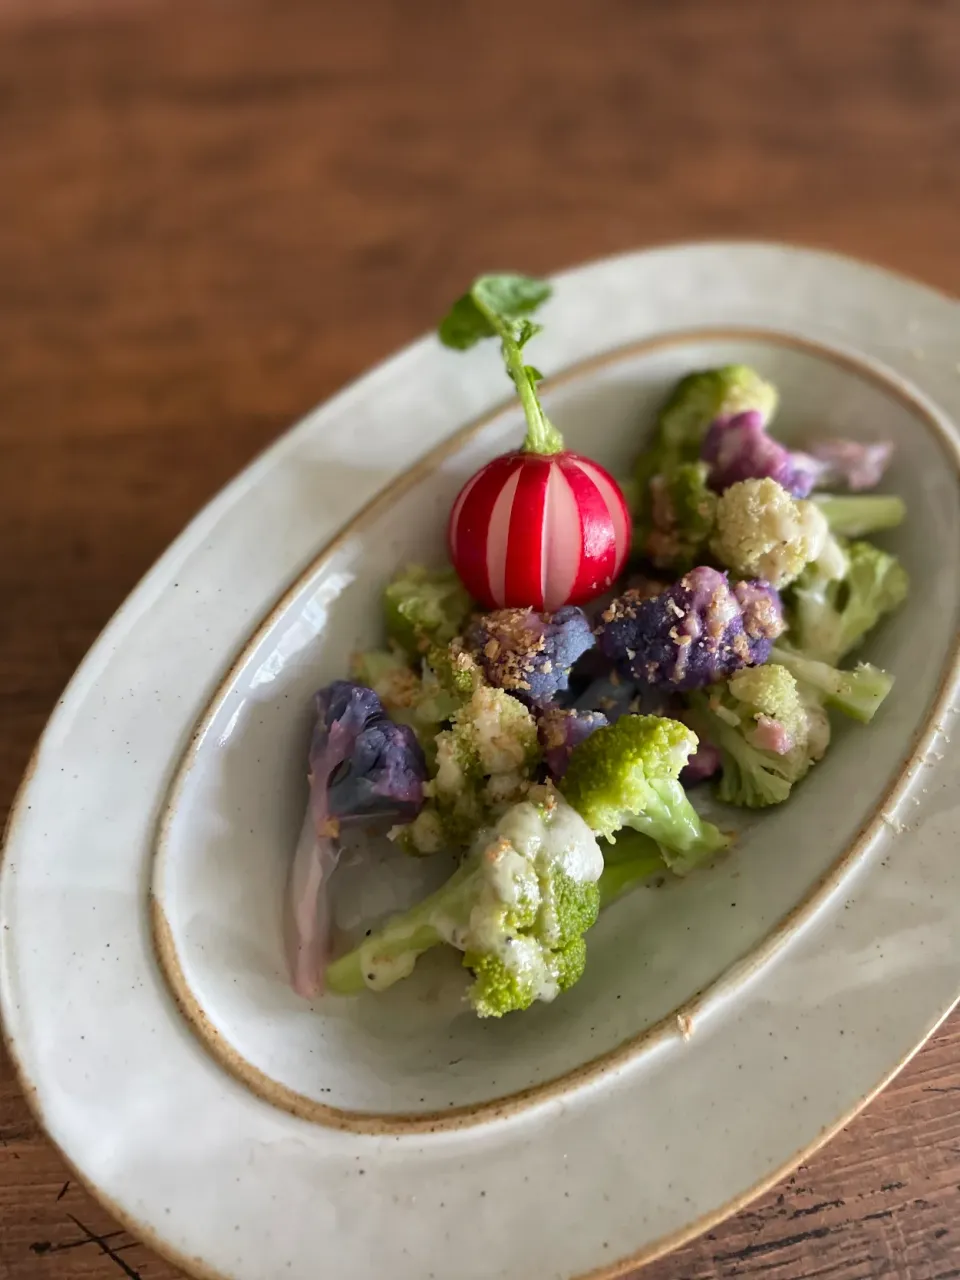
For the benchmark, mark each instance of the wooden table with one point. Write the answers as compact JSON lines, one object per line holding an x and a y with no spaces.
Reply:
{"x":213,"y":215}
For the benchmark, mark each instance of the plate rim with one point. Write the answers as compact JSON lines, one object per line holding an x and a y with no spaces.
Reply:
{"x":779,"y":934}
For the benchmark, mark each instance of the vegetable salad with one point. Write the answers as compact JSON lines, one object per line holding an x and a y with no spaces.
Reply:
{"x":597,"y":650}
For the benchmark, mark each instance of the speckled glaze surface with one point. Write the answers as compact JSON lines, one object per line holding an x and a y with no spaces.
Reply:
{"x":724,"y":1026}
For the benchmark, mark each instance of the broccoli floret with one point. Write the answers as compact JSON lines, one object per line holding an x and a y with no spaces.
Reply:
{"x":389,"y":674}
{"x":693,"y":633}
{"x":856,"y":693}
{"x":424,"y":607}
{"x":769,"y":696}
{"x":450,"y":679}
{"x":764,"y":533}
{"x":700,"y":398}
{"x":767,"y":734}
{"x":696,"y":401}
{"x":682,"y":514}
{"x":483,"y":763}
{"x":626,"y":775}
{"x":834,"y":606}
{"x":517,"y":908}
{"x":560,"y":729}
{"x":426,"y":700}
{"x":855,"y":516}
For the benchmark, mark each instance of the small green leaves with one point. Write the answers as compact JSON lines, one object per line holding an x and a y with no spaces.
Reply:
{"x":496,"y":306}
{"x":464,"y":325}
{"x":510,"y":296}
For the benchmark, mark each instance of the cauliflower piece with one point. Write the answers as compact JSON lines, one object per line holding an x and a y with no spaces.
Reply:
{"x":561,"y":729}
{"x":739,"y":448}
{"x":764,"y":533}
{"x":528,"y":653}
{"x":700,"y":398}
{"x":858,"y":693}
{"x":850,"y":464}
{"x":697,"y":631}
{"x":856,"y":515}
{"x":362,"y":768}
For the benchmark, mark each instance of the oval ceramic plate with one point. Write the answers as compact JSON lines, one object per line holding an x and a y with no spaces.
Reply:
{"x":726,"y":1025}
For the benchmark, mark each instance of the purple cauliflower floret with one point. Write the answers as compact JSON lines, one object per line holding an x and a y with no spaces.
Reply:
{"x":705,"y":763}
{"x":528,"y":653}
{"x":738,"y":448}
{"x":763,"y":620}
{"x":846,"y":464}
{"x":362,"y":767}
{"x":378,"y":767}
{"x":698,"y":631}
{"x":561,"y":730}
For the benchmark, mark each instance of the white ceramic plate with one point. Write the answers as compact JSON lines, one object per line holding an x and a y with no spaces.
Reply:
{"x":725,"y":1026}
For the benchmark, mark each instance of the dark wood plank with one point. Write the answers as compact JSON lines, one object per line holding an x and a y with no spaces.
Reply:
{"x":212,"y":216}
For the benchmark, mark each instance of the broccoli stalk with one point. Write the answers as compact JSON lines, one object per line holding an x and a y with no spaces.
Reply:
{"x":854,"y":516}
{"x":517,"y":909}
{"x":626,"y":775}
{"x":632,"y":860}
{"x":856,"y":693}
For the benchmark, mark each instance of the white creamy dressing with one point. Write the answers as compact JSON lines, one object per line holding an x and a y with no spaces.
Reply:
{"x":557,"y":835}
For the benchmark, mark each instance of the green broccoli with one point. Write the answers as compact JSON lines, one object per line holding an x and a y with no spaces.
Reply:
{"x":856,"y":693}
{"x":832,"y":608}
{"x":626,"y":775}
{"x":483,"y":762}
{"x":682,"y":515}
{"x":517,"y":908}
{"x":424,"y":607}
{"x":763,"y":532}
{"x":663,"y":507}
{"x":856,"y":515}
{"x":768,"y":735}
{"x":700,"y":398}
{"x":389,"y":674}
{"x":425,"y":701}
{"x":632,"y":860}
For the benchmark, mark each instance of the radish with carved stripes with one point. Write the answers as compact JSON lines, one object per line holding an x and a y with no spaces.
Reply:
{"x":539,"y":526}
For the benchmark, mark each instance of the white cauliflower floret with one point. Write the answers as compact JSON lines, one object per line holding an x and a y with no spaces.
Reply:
{"x":762,"y":532}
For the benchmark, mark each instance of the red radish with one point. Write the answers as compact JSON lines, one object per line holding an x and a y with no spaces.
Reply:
{"x":540,"y":526}
{"x":540,"y":530}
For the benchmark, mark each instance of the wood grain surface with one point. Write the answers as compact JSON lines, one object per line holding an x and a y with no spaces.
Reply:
{"x":212,"y":215}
